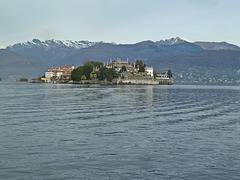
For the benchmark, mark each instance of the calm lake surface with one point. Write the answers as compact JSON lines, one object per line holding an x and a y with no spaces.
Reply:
{"x":63,"y":131}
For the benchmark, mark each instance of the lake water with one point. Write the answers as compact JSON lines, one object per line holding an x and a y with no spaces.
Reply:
{"x":63,"y":131}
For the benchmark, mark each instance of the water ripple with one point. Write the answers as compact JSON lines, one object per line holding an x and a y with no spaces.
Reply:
{"x":52,"y":131}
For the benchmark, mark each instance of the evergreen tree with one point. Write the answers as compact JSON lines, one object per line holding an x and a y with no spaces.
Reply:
{"x":169,"y":73}
{"x":142,"y":69}
{"x":123,"y":69}
{"x":140,"y":65}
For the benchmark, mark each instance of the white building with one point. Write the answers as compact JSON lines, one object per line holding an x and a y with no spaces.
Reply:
{"x":149,"y":70}
{"x":49,"y":74}
{"x":59,"y":71}
{"x":162,"y":77}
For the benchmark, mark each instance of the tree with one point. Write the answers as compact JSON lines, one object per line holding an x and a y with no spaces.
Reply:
{"x":77,"y":73}
{"x":155,"y":74}
{"x":83,"y":77}
{"x":107,"y":73}
{"x":139,"y":64}
{"x":169,"y":73}
{"x":93,"y":75}
{"x":87,"y":69}
{"x":142,"y":69}
{"x":94,"y":64}
{"x":123,"y":69}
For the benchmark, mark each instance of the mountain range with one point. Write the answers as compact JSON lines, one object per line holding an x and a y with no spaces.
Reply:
{"x":56,"y":52}
{"x":174,"y":53}
{"x":14,"y":66}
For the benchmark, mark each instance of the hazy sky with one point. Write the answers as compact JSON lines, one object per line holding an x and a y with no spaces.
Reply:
{"x":120,"y":21}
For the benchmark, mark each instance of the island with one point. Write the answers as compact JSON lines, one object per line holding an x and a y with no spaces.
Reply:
{"x":22,"y":79}
{"x":113,"y":71}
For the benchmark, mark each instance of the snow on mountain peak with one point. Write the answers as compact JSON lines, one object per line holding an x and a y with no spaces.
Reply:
{"x":54,"y":44}
{"x":171,"y":41}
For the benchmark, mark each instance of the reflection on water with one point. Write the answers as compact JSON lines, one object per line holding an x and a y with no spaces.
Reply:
{"x":63,"y":131}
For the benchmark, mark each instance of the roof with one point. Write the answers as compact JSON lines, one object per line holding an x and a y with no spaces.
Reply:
{"x":65,"y":70}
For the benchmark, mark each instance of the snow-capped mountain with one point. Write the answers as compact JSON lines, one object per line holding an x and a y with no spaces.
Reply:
{"x":62,"y":52}
{"x":171,"y":41}
{"x":53,"y":44}
{"x":49,"y":44}
{"x":50,"y":51}
{"x":55,"y":52}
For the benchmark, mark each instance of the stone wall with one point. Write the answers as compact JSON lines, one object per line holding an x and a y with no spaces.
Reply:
{"x":144,"y":80}
{"x":165,"y":81}
{"x":138,"y":81}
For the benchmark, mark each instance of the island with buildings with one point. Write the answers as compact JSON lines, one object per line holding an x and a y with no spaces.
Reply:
{"x":114,"y":71}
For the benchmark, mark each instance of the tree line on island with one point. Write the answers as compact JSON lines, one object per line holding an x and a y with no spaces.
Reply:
{"x":93,"y":70}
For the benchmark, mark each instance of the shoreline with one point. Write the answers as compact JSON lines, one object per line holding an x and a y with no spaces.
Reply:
{"x":114,"y":82}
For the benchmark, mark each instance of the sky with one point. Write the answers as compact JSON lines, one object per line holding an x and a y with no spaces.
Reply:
{"x":119,"y":21}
